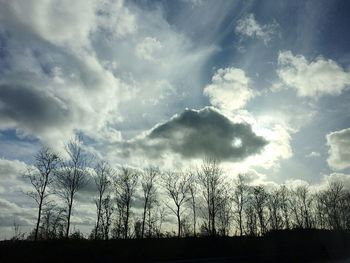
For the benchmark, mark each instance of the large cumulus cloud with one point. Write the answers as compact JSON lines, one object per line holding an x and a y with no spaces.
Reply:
{"x":230,"y":89}
{"x":312,"y":78}
{"x":339,"y":149}
{"x":197,"y":134}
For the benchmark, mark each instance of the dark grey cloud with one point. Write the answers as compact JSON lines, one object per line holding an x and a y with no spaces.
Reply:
{"x":30,"y":107}
{"x":200,"y":133}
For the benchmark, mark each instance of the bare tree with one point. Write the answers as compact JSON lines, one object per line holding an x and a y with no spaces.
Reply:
{"x":225,"y":212}
{"x":102,"y":180}
{"x":161,"y":217}
{"x":212,"y":187}
{"x":125,"y":187}
{"x":192,"y":188}
{"x":284,"y":194}
{"x":40,"y":178}
{"x":17,"y":231}
{"x":259,"y":201}
{"x":345,"y":211}
{"x":149,"y":192}
{"x":321,"y":210}
{"x":176,"y":186}
{"x":240,"y":197}
{"x":333,"y":203}
{"x":301,"y":205}
{"x":106,"y":215}
{"x":274,"y":206}
{"x":53,"y":222}
{"x":71,"y":176}
{"x":250,"y":214}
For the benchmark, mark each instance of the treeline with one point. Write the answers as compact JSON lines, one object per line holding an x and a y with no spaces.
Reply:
{"x":135,"y":203}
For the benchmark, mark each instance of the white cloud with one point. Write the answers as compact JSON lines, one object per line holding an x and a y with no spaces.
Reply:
{"x":229,"y":89}
{"x":338,"y":177}
{"x":313,"y":155}
{"x":115,"y":18}
{"x":57,"y":85}
{"x":147,"y":48}
{"x":10,"y":170}
{"x":249,"y":27}
{"x":312,"y":79}
{"x":57,"y":22}
{"x":339,"y":149}
{"x":279,"y":146}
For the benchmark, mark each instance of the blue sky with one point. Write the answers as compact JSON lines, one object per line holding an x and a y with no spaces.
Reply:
{"x":117,"y":72}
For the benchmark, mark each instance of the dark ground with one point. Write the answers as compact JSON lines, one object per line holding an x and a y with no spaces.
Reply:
{"x":283,"y":246}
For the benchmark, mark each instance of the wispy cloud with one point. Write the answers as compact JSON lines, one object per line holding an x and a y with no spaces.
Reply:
{"x":248,"y":27}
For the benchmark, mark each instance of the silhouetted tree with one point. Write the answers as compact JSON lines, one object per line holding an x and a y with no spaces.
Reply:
{"x":71,"y":176}
{"x":251,"y":217}
{"x":321,"y":220}
{"x":192,"y":188}
{"x":106,"y":215}
{"x":148,"y":178}
{"x":274,"y":207}
{"x":103,"y":173}
{"x":40,"y":178}
{"x":138,"y":228}
{"x":284,"y":194}
{"x":225,"y":212}
{"x":259,"y":203}
{"x":345,"y":211}
{"x":240,"y":197}
{"x":53,"y":222}
{"x":176,"y":187}
{"x":212,"y":187}
{"x":161,"y":217}
{"x":301,"y":206}
{"x":17,"y":231}
{"x":331,"y":203}
{"x":125,"y":187}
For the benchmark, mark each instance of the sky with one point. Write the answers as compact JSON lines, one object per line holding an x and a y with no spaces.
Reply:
{"x":263,"y":86}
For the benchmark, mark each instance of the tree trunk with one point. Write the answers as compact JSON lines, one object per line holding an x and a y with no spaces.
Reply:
{"x":38,"y":220}
{"x":68,"y":217}
{"x":98,"y":216}
{"x":144,"y":218}
{"x":149,"y":222}
{"x":178,"y":222}
{"x":194,"y":219}
{"x":126,"y":222}
{"x":240,"y":224}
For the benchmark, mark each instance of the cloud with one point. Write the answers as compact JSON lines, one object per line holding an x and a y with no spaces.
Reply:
{"x":89,"y":67}
{"x":338,"y":177}
{"x":249,"y":27}
{"x":327,"y":179}
{"x":339,"y":149}
{"x":147,"y":48}
{"x":11,"y":211}
{"x":11,"y":169}
{"x":313,"y":155}
{"x":229,"y":89}
{"x":200,"y":133}
{"x":55,"y":85}
{"x":312,"y":79}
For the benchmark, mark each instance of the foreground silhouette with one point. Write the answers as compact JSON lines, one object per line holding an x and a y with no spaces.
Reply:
{"x":278,"y":246}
